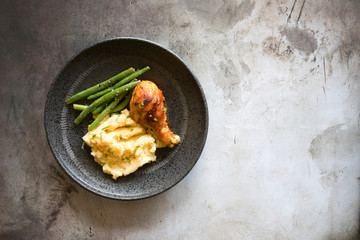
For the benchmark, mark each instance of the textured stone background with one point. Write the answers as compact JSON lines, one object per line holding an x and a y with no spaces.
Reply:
{"x":282,"y":159}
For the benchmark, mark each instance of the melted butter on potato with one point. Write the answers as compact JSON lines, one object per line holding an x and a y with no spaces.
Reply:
{"x":121,"y":146}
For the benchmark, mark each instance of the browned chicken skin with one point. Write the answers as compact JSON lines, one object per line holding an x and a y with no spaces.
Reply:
{"x":147,"y":108}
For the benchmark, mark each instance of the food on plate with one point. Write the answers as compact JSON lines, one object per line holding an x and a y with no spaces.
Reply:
{"x":120,"y":145}
{"x":147,"y":108}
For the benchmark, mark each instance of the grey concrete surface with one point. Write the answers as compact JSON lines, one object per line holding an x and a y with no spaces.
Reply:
{"x":282,"y":81}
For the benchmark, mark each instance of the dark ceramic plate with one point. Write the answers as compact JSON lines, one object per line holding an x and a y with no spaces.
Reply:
{"x":187,"y":114}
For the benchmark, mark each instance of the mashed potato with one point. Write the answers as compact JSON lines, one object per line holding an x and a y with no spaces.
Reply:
{"x":121,"y":146}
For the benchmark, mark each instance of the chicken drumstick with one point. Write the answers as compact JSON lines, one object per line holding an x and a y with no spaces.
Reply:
{"x":147,"y":108}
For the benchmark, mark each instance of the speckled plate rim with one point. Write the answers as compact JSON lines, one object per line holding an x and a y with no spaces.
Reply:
{"x":83,"y":183}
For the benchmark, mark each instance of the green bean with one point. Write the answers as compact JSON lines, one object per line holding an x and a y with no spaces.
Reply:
{"x":80,"y":107}
{"x":103,"y":99}
{"x":119,"y":84}
{"x":105,"y":112}
{"x":101,"y":107}
{"x":100,"y":86}
{"x":123,"y":104}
